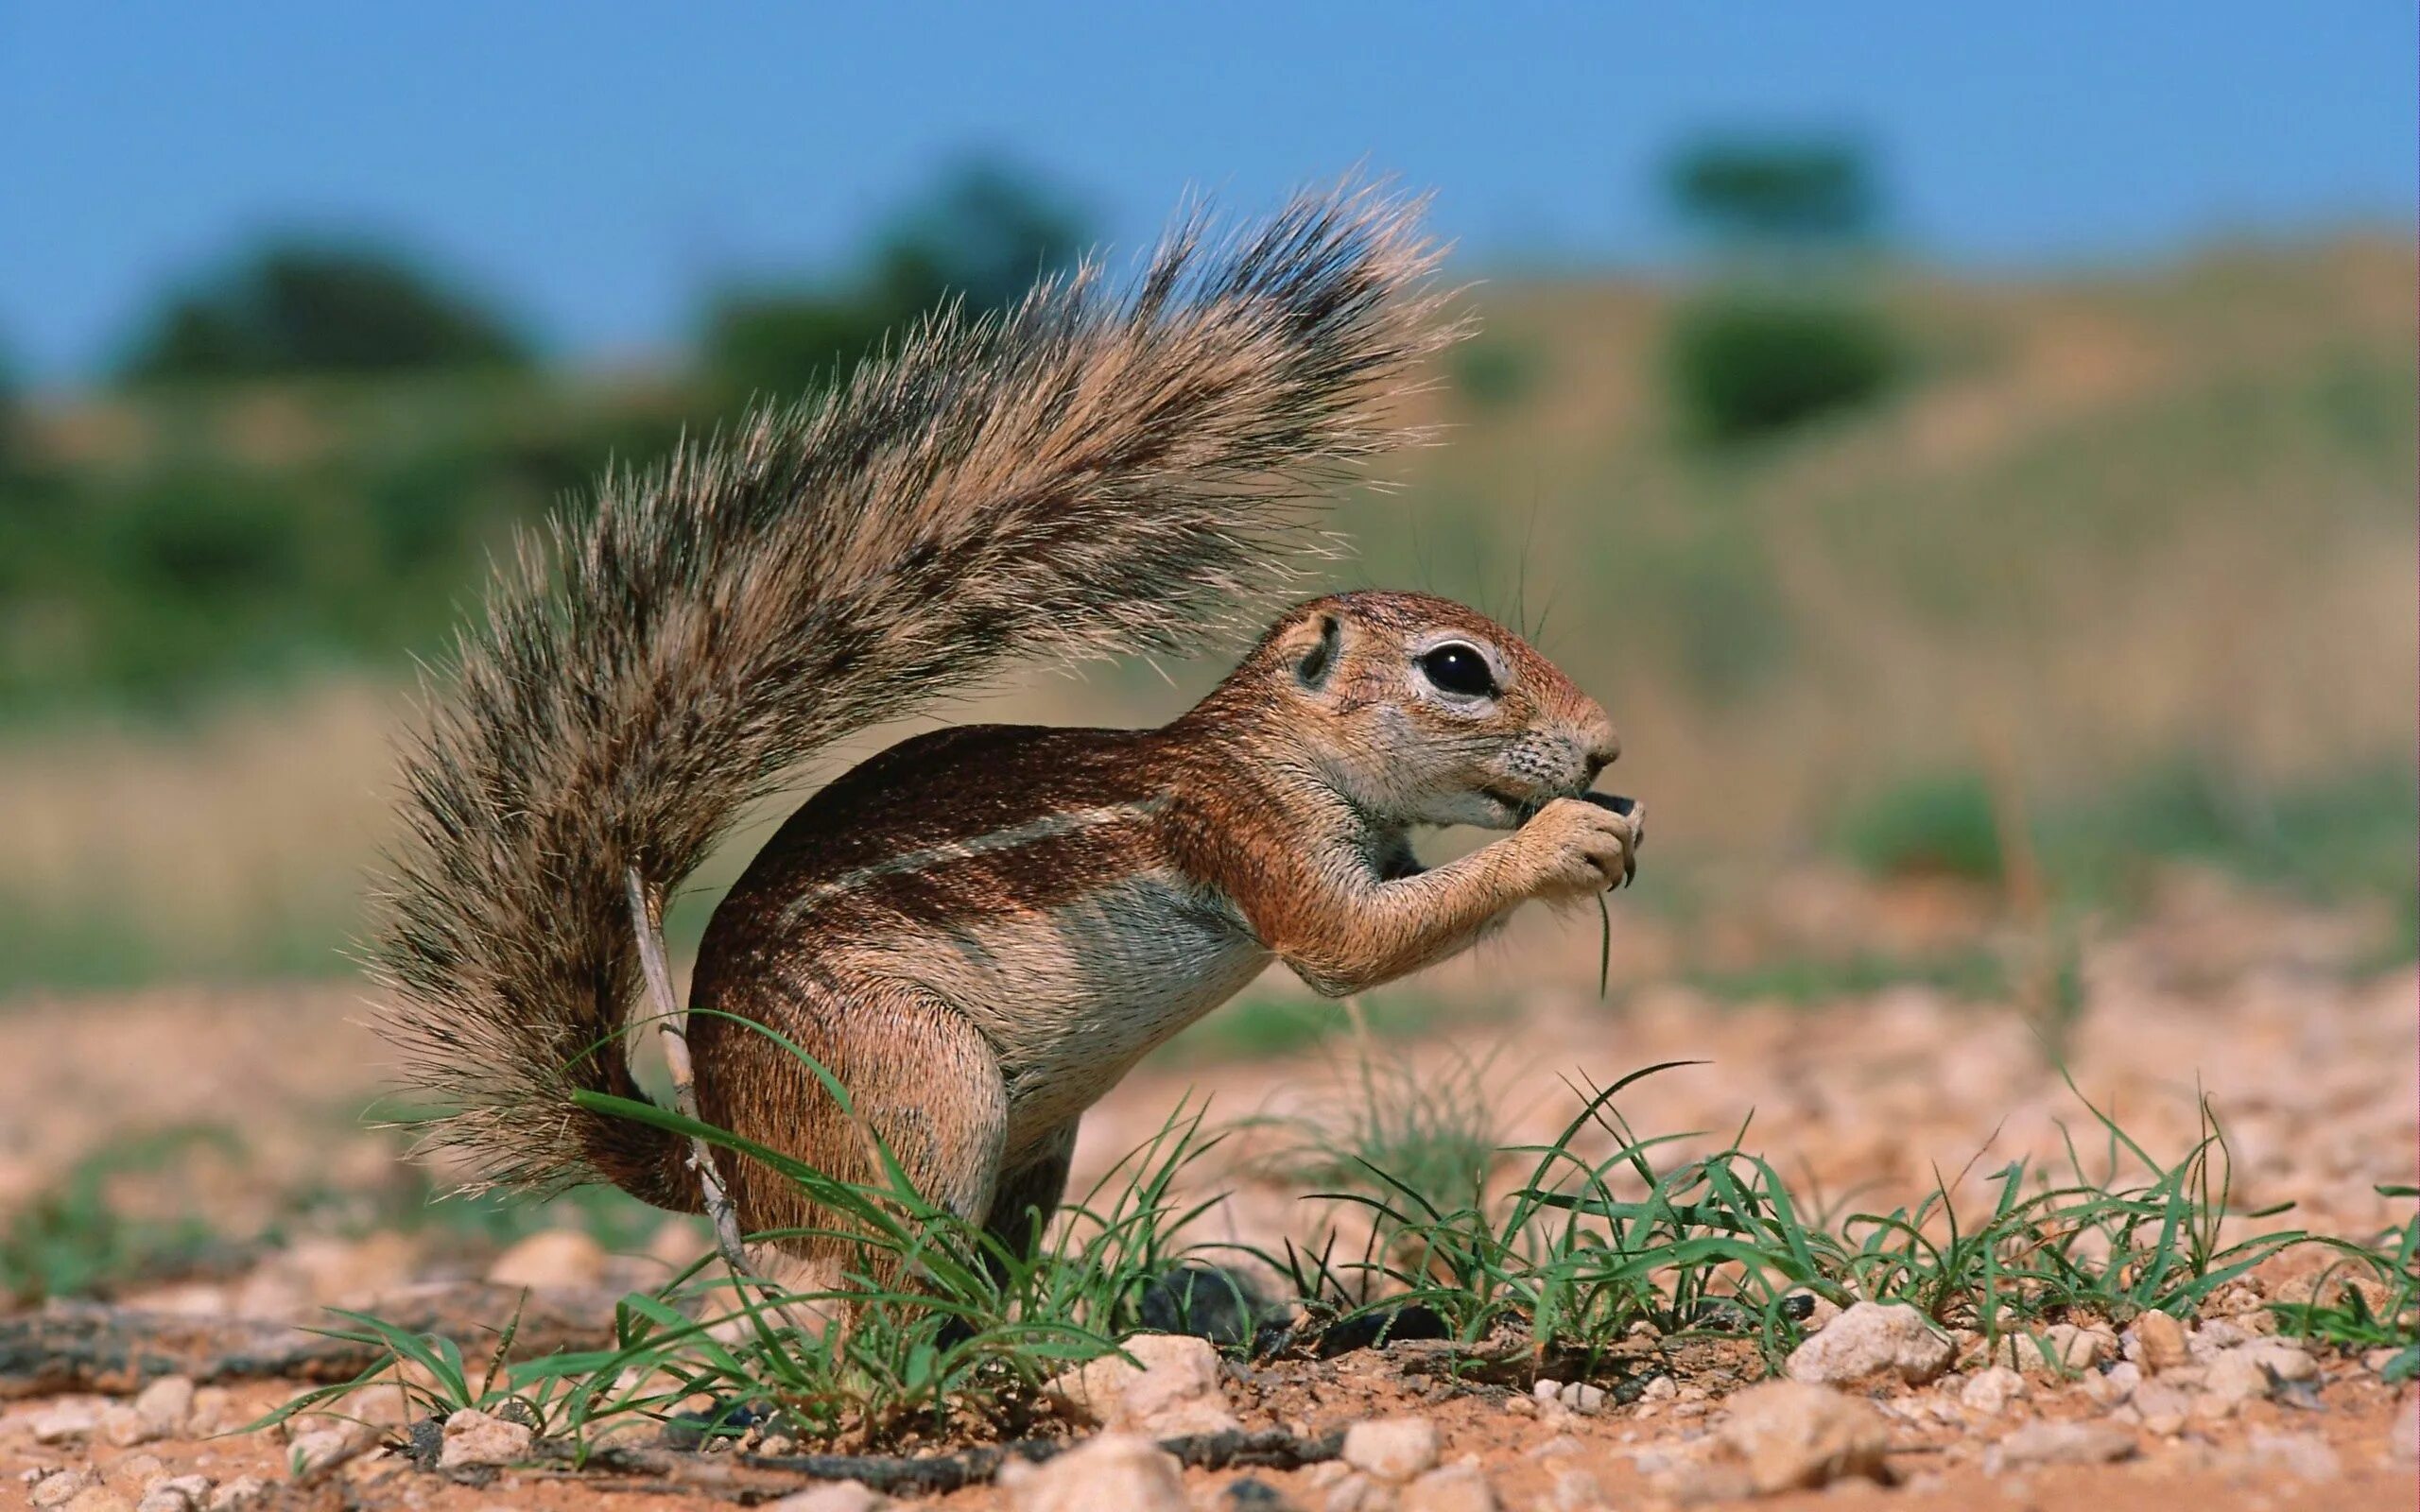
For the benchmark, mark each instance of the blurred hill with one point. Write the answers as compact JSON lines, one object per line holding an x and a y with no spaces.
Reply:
{"x":2121,"y":565}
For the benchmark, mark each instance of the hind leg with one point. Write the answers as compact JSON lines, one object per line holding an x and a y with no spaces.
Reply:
{"x":918,"y":1075}
{"x":1030,"y":1191}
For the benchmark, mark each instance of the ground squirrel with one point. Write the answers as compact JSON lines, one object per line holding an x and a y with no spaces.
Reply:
{"x":981,"y":929}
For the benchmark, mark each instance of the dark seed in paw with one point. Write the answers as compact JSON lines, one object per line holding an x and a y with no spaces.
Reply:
{"x":1798,"y":1308}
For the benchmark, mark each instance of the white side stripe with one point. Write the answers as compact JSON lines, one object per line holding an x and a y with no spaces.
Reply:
{"x":1048,"y":827}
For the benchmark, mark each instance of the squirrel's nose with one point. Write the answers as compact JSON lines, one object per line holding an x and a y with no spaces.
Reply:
{"x":1604,"y":746}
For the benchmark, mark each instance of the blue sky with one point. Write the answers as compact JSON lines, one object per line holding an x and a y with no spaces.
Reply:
{"x":594,"y":165}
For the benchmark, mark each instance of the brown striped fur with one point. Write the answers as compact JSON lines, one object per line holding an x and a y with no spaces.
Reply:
{"x":980,"y":929}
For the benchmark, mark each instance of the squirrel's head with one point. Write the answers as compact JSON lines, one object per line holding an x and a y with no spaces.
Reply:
{"x":1420,"y":710}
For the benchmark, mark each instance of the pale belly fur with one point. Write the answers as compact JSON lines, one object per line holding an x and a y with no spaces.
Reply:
{"x":1070,"y":998}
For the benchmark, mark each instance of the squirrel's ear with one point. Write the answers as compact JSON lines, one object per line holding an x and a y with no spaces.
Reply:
{"x":1312,"y":667}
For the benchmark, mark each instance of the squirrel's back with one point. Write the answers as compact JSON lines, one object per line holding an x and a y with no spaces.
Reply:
{"x":1093,"y":471}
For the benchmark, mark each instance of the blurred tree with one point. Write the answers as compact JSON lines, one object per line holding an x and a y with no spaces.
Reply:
{"x":983,"y":235}
{"x":1764,"y":193}
{"x":1784,"y":337}
{"x":304,"y":307}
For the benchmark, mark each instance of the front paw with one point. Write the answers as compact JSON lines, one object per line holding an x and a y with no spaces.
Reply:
{"x":1579,"y":846}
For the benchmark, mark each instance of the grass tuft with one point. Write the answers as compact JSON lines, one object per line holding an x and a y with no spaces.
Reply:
{"x":1560,"y":1250}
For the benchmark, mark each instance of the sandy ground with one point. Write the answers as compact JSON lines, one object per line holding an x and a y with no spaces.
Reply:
{"x":1862,"y":1101}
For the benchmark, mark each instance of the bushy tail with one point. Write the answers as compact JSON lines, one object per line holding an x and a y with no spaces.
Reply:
{"x":1094,"y":471}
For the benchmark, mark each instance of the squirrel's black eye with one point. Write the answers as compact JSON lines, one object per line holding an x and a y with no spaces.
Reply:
{"x":1459,"y":668}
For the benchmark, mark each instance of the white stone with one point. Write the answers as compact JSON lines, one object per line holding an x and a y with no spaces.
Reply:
{"x":2236,"y":1377}
{"x":239,"y":1495}
{"x":1794,"y":1435}
{"x":1992,"y":1389}
{"x":67,"y":1422}
{"x":836,"y":1496}
{"x":60,"y":1488}
{"x":2283,"y":1359}
{"x":125,"y":1427}
{"x":1661,"y":1388}
{"x":2061,"y":1348}
{"x":166,"y":1406}
{"x":1547,"y":1388}
{"x":1119,"y":1471}
{"x":174,"y":1493}
{"x":318,"y":1448}
{"x":1581,"y":1397}
{"x":1393,"y":1449}
{"x":2162,"y":1408}
{"x":473,"y":1438}
{"x":1172,"y":1387}
{"x":1450,"y":1489}
{"x":1873,"y":1339}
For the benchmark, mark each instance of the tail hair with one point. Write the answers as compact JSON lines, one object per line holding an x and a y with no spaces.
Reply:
{"x":1095,"y":471}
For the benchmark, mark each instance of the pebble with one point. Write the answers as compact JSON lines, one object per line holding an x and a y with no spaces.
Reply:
{"x":1581,"y":1397}
{"x":2034,"y":1351}
{"x":2161,"y":1407}
{"x":213,"y":1412}
{"x":1122,"y":1471}
{"x":166,"y":1405}
{"x":2212,"y":1336}
{"x":1450,"y":1489}
{"x":2059,"y":1444}
{"x":2159,"y":1339}
{"x":125,"y":1427}
{"x":1172,"y":1387}
{"x":67,"y":1422}
{"x":1577,"y":1491}
{"x":239,"y":1495}
{"x":60,"y":1488}
{"x":1794,"y":1435}
{"x":97,"y":1499}
{"x":836,"y":1496}
{"x":1393,"y":1449}
{"x":318,"y":1449}
{"x":1991,"y":1389}
{"x":473,"y":1438}
{"x":193,"y":1490}
{"x":2237,"y":1377}
{"x":1873,"y":1339}
{"x":2282,"y":1358}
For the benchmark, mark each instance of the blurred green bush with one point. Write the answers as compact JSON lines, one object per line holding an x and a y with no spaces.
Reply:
{"x":319,"y":307}
{"x":1937,"y":824}
{"x":1745,"y":365}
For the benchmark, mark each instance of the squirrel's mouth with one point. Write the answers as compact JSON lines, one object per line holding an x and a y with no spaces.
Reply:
{"x":1525,"y":809}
